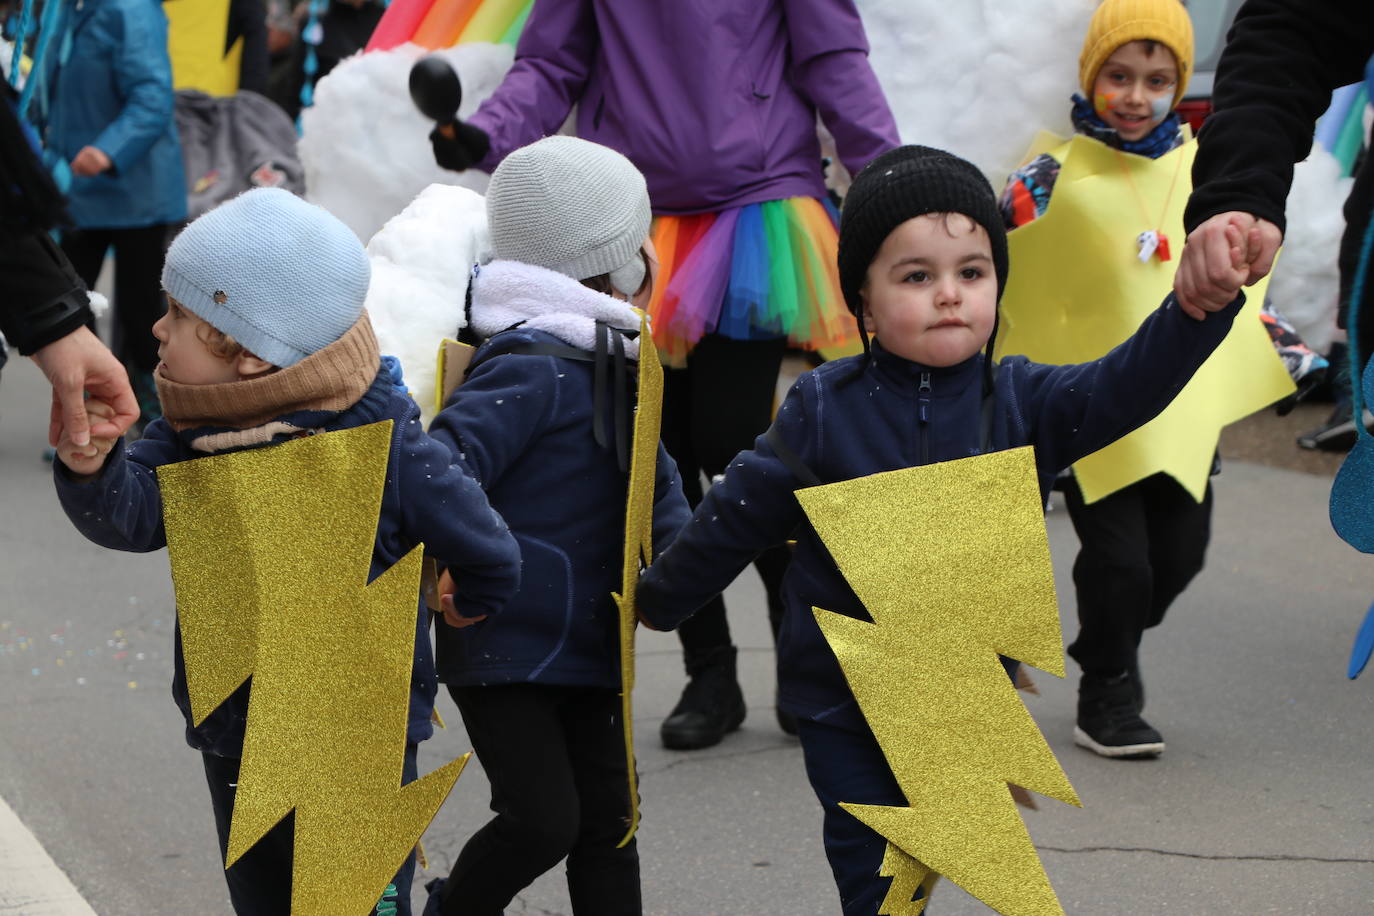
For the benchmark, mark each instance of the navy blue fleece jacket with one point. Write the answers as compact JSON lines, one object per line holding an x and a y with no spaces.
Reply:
{"x":522,"y":424}
{"x":897,"y":414}
{"x":426,"y":499}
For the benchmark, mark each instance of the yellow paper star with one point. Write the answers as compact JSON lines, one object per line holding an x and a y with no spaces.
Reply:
{"x":1077,"y":289}
{"x":952,"y":563}
{"x":270,"y":551}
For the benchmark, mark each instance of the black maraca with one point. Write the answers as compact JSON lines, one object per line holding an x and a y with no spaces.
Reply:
{"x":437,"y":92}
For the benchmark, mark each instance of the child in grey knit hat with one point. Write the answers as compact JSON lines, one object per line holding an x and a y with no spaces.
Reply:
{"x":265,"y":341}
{"x":542,"y":421}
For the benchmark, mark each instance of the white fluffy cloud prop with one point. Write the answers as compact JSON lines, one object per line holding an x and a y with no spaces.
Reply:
{"x":1305,"y":285}
{"x":364,"y":144}
{"x":421,"y":260}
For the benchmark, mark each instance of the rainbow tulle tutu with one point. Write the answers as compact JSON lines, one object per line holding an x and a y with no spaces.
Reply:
{"x":753,"y":272}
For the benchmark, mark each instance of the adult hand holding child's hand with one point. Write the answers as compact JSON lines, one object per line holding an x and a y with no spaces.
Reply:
{"x":1206,"y":280}
{"x":451,"y":615}
{"x":87,"y":460}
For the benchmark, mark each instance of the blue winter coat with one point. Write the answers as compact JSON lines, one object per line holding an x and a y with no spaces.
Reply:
{"x":899,"y":414}
{"x":113,"y":90}
{"x":426,"y":499}
{"x":522,"y":425}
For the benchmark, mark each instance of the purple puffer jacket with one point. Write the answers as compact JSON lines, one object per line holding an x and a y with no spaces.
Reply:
{"x":714,"y":100}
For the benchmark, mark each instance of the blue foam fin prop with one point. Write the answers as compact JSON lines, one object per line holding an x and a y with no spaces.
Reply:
{"x":1352,"y":511}
{"x":1364,"y":646}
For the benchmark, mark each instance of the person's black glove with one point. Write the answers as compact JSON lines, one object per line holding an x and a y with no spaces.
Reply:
{"x":467,"y":147}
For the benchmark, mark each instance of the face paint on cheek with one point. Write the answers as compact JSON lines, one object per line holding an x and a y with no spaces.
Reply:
{"x":1103,"y":103}
{"x":1160,"y":107}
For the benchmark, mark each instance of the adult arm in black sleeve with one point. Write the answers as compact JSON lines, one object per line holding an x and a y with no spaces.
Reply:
{"x":1275,"y":77}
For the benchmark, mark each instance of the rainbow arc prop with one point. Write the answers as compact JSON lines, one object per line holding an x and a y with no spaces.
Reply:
{"x":926,"y":672}
{"x":271,"y":551}
{"x":436,"y":24}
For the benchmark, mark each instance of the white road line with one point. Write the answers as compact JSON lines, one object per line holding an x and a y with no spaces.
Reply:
{"x":31,"y":884}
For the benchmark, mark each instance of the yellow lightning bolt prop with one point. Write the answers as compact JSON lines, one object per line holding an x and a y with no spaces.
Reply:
{"x":908,"y":876}
{"x":952,"y":563}
{"x":196,"y":32}
{"x":270,"y":553}
{"x":1078,"y":290}
{"x":639,"y":526}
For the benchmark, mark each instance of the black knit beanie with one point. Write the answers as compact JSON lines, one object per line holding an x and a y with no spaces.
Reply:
{"x":906,"y":182}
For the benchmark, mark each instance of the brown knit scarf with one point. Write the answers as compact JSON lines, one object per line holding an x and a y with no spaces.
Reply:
{"x":333,"y":379}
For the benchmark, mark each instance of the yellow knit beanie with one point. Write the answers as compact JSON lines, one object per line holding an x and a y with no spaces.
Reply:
{"x":1117,"y":22}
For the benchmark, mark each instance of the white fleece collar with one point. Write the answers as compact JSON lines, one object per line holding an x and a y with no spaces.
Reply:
{"x":505,"y":293}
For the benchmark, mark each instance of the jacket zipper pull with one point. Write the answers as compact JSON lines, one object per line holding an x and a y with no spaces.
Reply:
{"x":923,"y":414}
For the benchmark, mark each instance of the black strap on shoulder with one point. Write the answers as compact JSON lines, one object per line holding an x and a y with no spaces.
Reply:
{"x":985,"y":425}
{"x":622,"y":403}
{"x":611,"y":378}
{"x":599,"y":387}
{"x":790,"y":459}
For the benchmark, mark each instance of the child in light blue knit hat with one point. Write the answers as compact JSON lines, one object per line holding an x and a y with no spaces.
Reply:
{"x":266,"y":340}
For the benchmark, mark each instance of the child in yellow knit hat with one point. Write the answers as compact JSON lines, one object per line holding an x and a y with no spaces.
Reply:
{"x":1142,"y":544}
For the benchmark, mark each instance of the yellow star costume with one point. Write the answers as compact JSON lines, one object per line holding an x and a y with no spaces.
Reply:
{"x":1078,"y":288}
{"x":288,"y":604}
{"x":926,"y":672}
{"x":454,"y":358}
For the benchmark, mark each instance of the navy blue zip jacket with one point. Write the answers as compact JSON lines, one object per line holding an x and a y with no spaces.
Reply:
{"x":898,"y":414}
{"x":523,"y":425}
{"x":426,"y":498}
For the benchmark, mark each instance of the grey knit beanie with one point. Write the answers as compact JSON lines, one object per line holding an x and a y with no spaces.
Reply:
{"x":281,"y":276}
{"x":572,"y":206}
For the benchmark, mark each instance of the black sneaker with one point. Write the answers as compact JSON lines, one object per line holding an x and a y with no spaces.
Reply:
{"x":711,"y":705}
{"x":1109,"y":722}
{"x":1338,"y":434}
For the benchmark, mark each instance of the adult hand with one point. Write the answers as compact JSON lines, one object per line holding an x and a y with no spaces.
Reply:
{"x":1203,"y":282}
{"x":459,"y":146}
{"x":74,"y":365}
{"x":90,"y":161}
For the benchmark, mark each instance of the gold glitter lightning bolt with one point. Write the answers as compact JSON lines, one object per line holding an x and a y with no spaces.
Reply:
{"x":639,"y":550}
{"x":271,"y":550}
{"x":952,"y":563}
{"x":907,"y":876}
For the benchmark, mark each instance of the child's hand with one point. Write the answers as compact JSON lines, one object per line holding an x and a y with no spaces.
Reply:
{"x":1206,"y":272}
{"x":451,"y":615}
{"x":87,"y":460}
{"x":644,"y":621}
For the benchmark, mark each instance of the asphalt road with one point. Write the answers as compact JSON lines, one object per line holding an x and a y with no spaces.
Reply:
{"x":1261,"y":805}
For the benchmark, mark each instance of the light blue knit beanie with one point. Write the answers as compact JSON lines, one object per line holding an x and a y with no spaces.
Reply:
{"x":281,"y":276}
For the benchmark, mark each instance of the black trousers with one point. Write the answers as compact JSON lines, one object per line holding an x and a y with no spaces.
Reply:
{"x":260,"y":881}
{"x":555,"y":757}
{"x":1141,"y":546}
{"x":712,"y":410}
{"x":849,"y":766}
{"x":138,"y":299}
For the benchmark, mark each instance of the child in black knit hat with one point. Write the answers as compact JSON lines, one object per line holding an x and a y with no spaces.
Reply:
{"x":922,"y":263}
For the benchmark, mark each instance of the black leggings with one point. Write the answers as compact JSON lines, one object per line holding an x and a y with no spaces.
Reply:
{"x":712,"y":410}
{"x":138,"y":299}
{"x":1141,"y":546}
{"x":555,"y":757}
